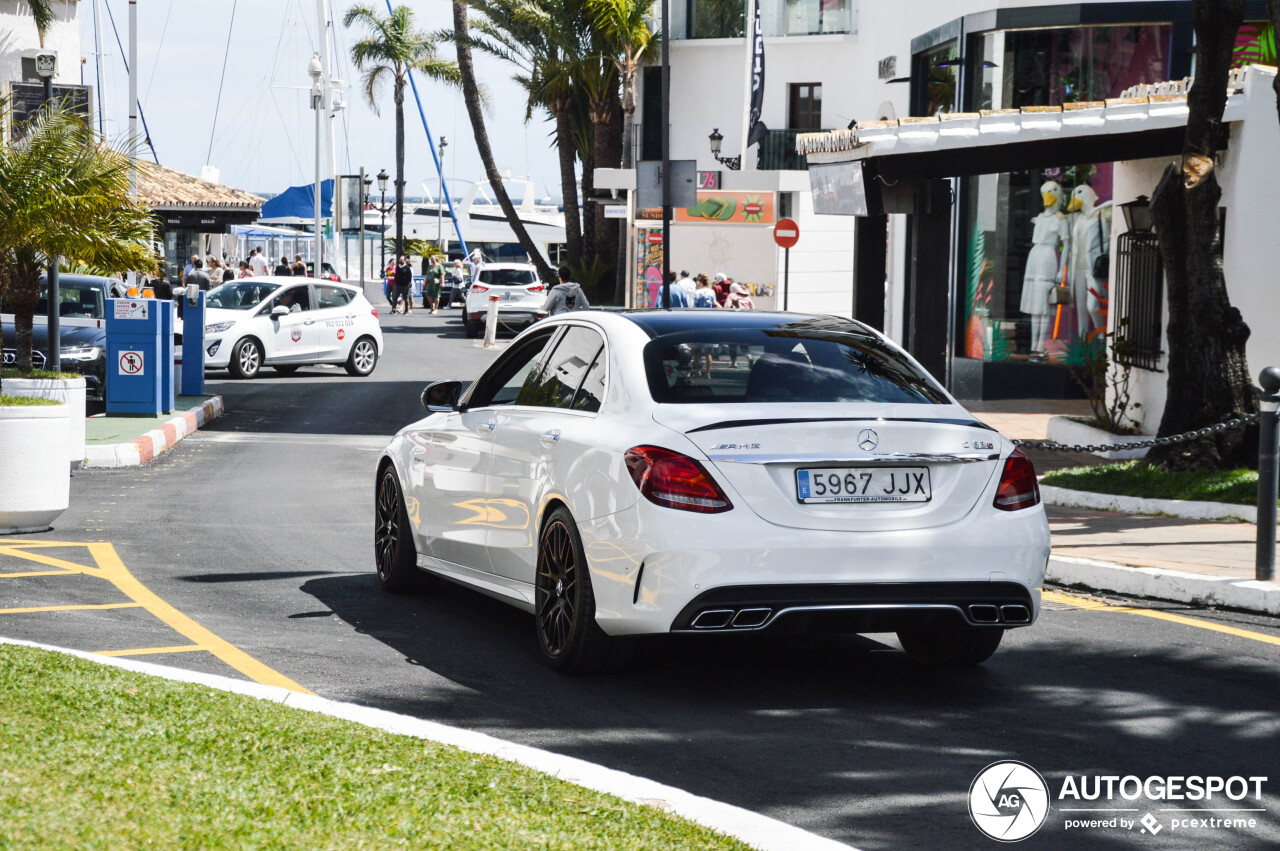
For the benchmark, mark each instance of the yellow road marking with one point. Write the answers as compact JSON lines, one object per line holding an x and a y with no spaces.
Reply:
{"x":1094,"y":605}
{"x":69,"y":608}
{"x":112,"y":569}
{"x":147,"y":651}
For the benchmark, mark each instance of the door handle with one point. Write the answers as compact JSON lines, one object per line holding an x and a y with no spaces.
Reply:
{"x":551,"y":437}
{"x":489,"y":426}
{"x":309,"y":322}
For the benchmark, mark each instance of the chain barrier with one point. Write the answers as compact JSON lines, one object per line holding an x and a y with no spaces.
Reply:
{"x":1196,"y":434}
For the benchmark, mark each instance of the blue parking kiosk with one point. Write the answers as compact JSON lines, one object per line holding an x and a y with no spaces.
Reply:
{"x":135,"y":356}
{"x":193,"y":346}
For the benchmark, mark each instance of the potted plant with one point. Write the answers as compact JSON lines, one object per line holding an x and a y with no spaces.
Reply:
{"x":63,"y":193}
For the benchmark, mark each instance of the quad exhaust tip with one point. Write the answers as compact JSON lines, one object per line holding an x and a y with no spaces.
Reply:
{"x":984,"y":613}
{"x":713,"y":619}
{"x":1015,"y":614}
{"x":731,"y":618}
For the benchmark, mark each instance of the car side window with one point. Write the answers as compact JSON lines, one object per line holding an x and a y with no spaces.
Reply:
{"x":502,"y":383}
{"x":591,"y":393}
{"x":555,"y":382}
{"x":296,"y":299}
{"x":332,"y":297}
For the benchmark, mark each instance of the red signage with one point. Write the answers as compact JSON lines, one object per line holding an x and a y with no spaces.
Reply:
{"x":786,"y":233}
{"x":655,"y":237}
{"x":341,"y":334}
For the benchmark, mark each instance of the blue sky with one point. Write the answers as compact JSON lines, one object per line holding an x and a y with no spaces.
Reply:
{"x":263,"y":138}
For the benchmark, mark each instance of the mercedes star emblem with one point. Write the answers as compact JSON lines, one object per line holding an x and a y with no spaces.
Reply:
{"x":868,"y":440}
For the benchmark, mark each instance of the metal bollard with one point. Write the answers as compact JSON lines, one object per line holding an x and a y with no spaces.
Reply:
{"x":491,"y":324}
{"x":1268,"y":471}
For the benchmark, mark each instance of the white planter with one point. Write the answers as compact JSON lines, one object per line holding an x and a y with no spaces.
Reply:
{"x":35,"y":485}
{"x":1068,"y":431}
{"x":70,"y":392}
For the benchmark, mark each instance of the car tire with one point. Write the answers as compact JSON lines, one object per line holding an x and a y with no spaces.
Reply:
{"x":472,"y":328}
{"x":951,"y":647}
{"x":286,"y":369}
{"x":568,"y":636}
{"x":363,"y":357}
{"x":246,"y":359}
{"x":394,"y":553}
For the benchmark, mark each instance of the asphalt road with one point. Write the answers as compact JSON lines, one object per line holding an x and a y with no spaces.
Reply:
{"x":259,"y":528}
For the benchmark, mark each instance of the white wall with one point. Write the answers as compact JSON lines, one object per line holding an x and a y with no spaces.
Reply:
{"x":18,"y":38}
{"x":1251,"y":250}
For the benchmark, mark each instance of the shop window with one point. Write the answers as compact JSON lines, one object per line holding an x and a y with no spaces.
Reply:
{"x":812,"y":17}
{"x":1255,"y":45}
{"x":939,"y":67}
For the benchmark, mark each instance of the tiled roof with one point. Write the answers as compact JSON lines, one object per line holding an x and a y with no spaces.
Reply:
{"x":164,"y":188}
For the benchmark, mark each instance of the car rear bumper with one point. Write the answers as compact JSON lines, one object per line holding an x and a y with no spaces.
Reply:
{"x":658,"y":570}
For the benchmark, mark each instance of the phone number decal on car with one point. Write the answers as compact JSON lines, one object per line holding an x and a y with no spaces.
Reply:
{"x":339,"y":323}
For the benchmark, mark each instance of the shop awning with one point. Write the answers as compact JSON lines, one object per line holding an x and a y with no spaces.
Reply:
{"x":296,"y":205}
{"x":994,"y":141}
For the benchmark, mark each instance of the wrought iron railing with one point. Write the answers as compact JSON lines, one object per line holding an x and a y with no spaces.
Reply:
{"x":777,"y":152}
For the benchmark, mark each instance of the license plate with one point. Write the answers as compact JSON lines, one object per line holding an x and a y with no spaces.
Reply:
{"x":511,"y":296}
{"x":863,"y":484}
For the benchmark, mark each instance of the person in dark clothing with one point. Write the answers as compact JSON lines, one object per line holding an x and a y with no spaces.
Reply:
{"x":198,"y":277}
{"x":404,"y":286}
{"x":282,"y":268}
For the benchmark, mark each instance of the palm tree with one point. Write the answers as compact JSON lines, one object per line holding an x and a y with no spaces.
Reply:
{"x":543,"y":40}
{"x":64,"y":193}
{"x":392,"y":49}
{"x":42,"y":11}
{"x":624,"y":28}
{"x":471,"y":95}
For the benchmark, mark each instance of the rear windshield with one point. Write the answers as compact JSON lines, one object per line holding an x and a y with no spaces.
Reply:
{"x":240,"y":295}
{"x":821,"y":361}
{"x":507,"y":277}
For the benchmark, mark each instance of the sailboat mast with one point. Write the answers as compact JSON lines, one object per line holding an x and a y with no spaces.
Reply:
{"x":326,"y":81}
{"x":97,"y":54}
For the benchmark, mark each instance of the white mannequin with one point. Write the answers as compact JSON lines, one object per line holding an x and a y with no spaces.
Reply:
{"x":1090,"y":239}
{"x":1045,"y":265}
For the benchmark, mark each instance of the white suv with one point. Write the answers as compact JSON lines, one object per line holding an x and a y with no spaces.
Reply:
{"x":520,"y":296}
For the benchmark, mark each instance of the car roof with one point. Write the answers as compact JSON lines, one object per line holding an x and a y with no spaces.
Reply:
{"x":291,"y":279}
{"x":484,"y":266}
{"x":658,"y":323}
{"x":82,"y":280}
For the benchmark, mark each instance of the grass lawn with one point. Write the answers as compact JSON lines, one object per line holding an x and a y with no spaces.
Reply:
{"x":1137,"y":478}
{"x":26,"y":401}
{"x":98,"y":757}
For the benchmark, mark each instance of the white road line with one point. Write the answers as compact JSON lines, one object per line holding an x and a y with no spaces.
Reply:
{"x":758,"y":830}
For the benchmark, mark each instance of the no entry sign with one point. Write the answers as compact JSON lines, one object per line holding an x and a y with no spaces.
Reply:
{"x":786,"y":233}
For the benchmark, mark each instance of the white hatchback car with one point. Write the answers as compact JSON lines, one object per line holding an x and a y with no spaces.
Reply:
{"x":520,"y":296}
{"x":286,"y":323}
{"x":699,"y":471}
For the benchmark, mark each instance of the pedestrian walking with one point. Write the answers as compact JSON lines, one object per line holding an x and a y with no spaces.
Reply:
{"x":459,"y":275}
{"x":433,"y":283}
{"x":721,"y":285}
{"x":566,"y":296}
{"x":687,"y":284}
{"x":704,"y":296}
{"x":739,"y":297}
{"x":389,"y":283}
{"x":190,"y":266}
{"x":258,"y":263}
{"x":299,"y":268}
{"x":675,"y":294}
{"x":197,"y":278}
{"x":228,"y":274}
{"x":404,"y":286}
{"x":245,"y":270}
{"x":282,"y":268}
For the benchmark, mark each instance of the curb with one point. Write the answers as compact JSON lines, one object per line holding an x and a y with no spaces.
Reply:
{"x":759,"y":831}
{"x":140,"y":450}
{"x":1176,"y":586}
{"x":1189,"y":509}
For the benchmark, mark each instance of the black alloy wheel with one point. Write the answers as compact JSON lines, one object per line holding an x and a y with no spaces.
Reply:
{"x":564,"y":605}
{"x":394,"y":553}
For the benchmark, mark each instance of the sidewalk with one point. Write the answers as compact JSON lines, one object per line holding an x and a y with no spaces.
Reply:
{"x":128,"y":441}
{"x":1167,"y":558}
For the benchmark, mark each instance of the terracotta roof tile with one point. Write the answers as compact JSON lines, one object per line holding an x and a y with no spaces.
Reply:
{"x":164,"y":188}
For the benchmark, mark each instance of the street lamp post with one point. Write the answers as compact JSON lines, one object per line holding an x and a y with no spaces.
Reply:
{"x":365,"y":183}
{"x":717,"y":140}
{"x":444,"y":143}
{"x":316,"y":70}
{"x":382,"y":208}
{"x":46,"y":67}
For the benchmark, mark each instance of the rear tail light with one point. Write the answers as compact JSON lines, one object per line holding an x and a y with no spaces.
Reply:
{"x":479,"y":288}
{"x":374,"y":311}
{"x":675,"y":481}
{"x":536,"y":288}
{"x":1018,"y":487}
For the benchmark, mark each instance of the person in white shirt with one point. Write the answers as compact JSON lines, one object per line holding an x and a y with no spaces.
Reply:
{"x":258,"y":263}
{"x":688,"y":285}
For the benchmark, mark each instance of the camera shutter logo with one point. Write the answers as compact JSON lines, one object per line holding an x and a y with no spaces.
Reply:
{"x":868,"y":440}
{"x":1008,"y":801}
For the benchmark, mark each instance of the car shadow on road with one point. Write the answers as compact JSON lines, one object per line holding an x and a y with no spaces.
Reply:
{"x":840,"y":734}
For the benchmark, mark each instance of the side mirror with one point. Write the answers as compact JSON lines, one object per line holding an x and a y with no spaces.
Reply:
{"x":441,"y":397}
{"x":279,"y":310}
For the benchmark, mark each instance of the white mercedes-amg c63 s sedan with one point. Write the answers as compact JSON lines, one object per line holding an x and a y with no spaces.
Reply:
{"x":619,"y":474}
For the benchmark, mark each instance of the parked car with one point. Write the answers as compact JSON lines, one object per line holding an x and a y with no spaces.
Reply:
{"x":605,"y":476}
{"x":327,"y":272}
{"x":286,"y":323}
{"x":82,"y":331}
{"x":518,"y":289}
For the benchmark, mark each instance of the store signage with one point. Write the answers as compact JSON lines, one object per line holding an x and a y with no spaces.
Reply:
{"x":708,"y":180}
{"x":131,"y":309}
{"x":724,"y":208}
{"x":655,"y":237}
{"x":615,"y":211}
{"x":888,"y":67}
